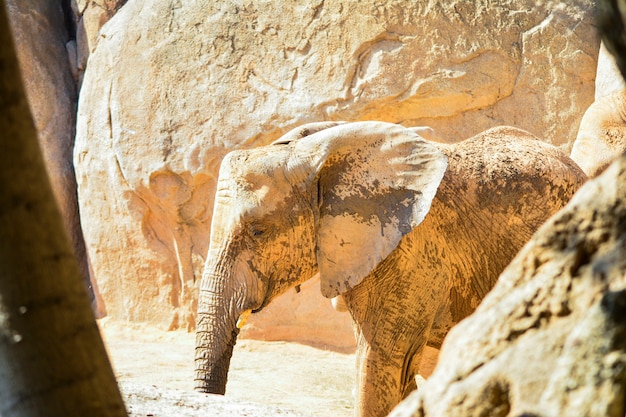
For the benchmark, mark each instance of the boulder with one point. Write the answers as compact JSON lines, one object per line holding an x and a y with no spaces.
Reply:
{"x":171,"y":87}
{"x":550,"y":338}
{"x":89,"y":16}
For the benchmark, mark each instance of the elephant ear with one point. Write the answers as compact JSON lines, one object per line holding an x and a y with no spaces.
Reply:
{"x":304,"y":131}
{"x":375,"y":182}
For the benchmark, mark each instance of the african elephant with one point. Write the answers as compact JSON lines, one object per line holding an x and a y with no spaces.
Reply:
{"x":602,"y":134}
{"x":411,"y":233}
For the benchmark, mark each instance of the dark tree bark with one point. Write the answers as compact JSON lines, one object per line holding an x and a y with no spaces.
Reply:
{"x":611,"y":16}
{"x":52,"y":95}
{"x":52,"y":359}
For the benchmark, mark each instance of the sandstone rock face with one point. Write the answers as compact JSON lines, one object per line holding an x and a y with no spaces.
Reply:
{"x":550,"y":338}
{"x":40,"y":33}
{"x":90,"y":16}
{"x":172,"y":86}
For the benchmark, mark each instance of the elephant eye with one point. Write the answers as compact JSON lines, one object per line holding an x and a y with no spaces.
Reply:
{"x":256,"y":230}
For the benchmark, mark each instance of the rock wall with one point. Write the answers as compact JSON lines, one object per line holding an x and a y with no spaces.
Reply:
{"x":172,"y":86}
{"x":89,"y":17}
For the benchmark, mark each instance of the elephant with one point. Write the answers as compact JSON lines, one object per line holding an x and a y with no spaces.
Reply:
{"x":602,"y":133}
{"x":411,"y":234}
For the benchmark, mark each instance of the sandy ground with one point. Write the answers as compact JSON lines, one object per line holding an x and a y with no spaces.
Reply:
{"x":155,"y":372}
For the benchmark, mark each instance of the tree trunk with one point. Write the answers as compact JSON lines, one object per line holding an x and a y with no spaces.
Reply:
{"x":611,"y":21}
{"x":51,"y":93}
{"x":52,"y":359}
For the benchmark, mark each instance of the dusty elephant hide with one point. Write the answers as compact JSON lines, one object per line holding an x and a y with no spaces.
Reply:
{"x":550,"y":339}
{"x":412,"y":234}
{"x":601,"y":136}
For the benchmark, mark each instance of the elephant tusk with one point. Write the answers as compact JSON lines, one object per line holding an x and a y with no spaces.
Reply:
{"x":243,"y":319}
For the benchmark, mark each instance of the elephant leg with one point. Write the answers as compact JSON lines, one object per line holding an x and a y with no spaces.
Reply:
{"x":428,"y":363}
{"x":393,"y":312}
{"x":378,"y":384}
{"x":388,"y":360}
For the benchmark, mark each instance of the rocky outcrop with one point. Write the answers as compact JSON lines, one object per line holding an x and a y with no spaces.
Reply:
{"x":90,"y":16}
{"x":40,"y":34}
{"x":549,"y":339}
{"x":172,"y":86}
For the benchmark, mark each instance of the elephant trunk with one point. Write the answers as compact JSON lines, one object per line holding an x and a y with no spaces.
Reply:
{"x":216,"y":335}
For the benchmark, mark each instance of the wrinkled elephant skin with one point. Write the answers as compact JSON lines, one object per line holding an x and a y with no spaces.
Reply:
{"x":412,"y":234}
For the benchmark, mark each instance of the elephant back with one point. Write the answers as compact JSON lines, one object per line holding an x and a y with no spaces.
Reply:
{"x":511,"y":183}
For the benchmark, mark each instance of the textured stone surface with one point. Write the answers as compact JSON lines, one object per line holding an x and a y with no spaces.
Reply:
{"x":90,"y":16}
{"x":549,"y":339}
{"x":172,"y":86}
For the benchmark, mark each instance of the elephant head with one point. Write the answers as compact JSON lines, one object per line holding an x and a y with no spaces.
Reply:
{"x":602,"y":134}
{"x":333,"y":198}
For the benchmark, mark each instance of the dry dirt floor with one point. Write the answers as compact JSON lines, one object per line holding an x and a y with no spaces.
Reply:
{"x":155,"y":373}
